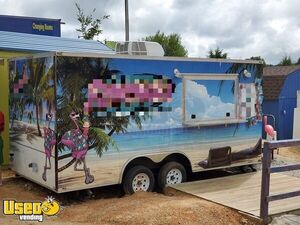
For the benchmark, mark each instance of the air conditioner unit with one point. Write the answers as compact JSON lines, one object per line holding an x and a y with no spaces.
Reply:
{"x":139,"y":48}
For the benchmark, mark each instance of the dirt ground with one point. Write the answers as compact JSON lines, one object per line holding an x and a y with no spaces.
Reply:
{"x":109,"y":206}
{"x":292,"y":153}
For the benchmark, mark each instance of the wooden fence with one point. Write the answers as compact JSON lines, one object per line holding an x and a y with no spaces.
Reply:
{"x":266,"y":197}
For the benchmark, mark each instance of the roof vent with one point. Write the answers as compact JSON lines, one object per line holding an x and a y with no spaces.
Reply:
{"x":139,"y":48}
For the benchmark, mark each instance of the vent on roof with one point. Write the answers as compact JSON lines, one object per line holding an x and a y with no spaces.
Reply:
{"x":140,"y":48}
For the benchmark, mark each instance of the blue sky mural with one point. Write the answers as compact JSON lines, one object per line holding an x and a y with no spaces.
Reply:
{"x":209,"y":99}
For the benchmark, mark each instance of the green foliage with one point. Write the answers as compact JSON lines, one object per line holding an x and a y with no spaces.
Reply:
{"x":41,"y":87}
{"x":74,"y":73}
{"x":259,"y":58}
{"x":100,"y":140}
{"x":298,"y":62}
{"x":89,"y":26}
{"x":217,"y":53}
{"x":171,"y":43}
{"x":238,"y":68}
{"x":39,"y":90}
{"x":110,"y":44}
{"x":286,"y":61}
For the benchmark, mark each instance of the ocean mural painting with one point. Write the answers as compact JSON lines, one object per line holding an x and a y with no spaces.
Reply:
{"x":85,"y":118}
{"x":32,"y":116}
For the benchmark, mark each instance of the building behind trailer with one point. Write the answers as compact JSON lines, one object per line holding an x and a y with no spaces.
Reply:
{"x":280,"y":86}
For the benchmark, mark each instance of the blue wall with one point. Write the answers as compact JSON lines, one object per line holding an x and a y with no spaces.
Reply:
{"x":271,"y":107}
{"x":287,"y":103}
{"x":283,"y":108}
{"x":30,"y":25}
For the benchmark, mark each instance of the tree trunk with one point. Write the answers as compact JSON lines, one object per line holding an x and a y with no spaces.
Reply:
{"x":66,"y":166}
{"x":37,"y":118}
{"x":13,"y":116}
{"x":111,"y":132}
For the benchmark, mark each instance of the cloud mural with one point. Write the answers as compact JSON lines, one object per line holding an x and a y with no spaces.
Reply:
{"x":204,"y":105}
{"x":200,"y":101}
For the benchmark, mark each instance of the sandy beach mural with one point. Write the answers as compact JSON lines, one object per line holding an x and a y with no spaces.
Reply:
{"x":87,"y":120}
{"x":32,"y":117}
{"x":134,"y":117}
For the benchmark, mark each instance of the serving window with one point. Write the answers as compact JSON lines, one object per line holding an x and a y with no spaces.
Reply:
{"x":210,"y":99}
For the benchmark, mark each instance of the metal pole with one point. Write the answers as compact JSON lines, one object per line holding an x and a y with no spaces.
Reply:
{"x":126,"y":21}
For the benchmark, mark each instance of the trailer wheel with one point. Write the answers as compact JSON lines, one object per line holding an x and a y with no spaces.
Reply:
{"x":138,"y":178}
{"x":171,"y":173}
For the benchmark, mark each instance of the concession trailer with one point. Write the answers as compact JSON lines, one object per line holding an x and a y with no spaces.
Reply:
{"x":80,"y":120}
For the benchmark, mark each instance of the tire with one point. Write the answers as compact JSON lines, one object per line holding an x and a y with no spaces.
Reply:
{"x":171,"y":173}
{"x":138,"y":178}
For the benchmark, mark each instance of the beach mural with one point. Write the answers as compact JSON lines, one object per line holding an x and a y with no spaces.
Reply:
{"x":49,"y":144}
{"x":86,"y":120}
{"x":32,"y":116}
{"x":135,"y":106}
{"x":77,"y":140}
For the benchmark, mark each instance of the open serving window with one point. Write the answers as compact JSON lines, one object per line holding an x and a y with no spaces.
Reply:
{"x":210,"y":99}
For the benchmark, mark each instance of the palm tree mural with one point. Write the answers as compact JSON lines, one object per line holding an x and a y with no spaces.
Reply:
{"x":37,"y":79}
{"x":256,"y":69}
{"x":73,"y":75}
{"x":239,"y":68}
{"x":38,"y":90}
{"x":13,"y":101}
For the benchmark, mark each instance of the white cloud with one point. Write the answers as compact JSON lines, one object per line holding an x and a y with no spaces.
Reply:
{"x":243,"y":29}
{"x":199,"y":102}
{"x":203,"y":105}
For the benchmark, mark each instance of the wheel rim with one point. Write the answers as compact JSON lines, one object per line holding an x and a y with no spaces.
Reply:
{"x":141,"y":182}
{"x":174,"y":176}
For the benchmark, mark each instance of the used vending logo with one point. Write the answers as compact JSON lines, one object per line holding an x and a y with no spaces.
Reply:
{"x":31,"y":211}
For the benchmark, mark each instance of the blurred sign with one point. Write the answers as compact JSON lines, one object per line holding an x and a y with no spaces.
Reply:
{"x":30,"y":25}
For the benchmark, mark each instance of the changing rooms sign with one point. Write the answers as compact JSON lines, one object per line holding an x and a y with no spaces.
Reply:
{"x":30,"y":25}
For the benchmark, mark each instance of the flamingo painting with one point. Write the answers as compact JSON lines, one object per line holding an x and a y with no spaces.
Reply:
{"x":268,"y":128}
{"x":49,"y":143}
{"x":77,"y":141}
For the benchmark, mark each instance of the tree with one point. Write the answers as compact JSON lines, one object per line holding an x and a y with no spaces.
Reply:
{"x":110,"y":44}
{"x":286,"y":61}
{"x":298,"y":62}
{"x":171,"y":43}
{"x":217,"y":53}
{"x":40,"y":88}
{"x":72,"y":95}
{"x":89,"y":26}
{"x":259,"y":58}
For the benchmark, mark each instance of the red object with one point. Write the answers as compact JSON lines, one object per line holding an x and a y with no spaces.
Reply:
{"x":1,"y":122}
{"x":268,"y":128}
